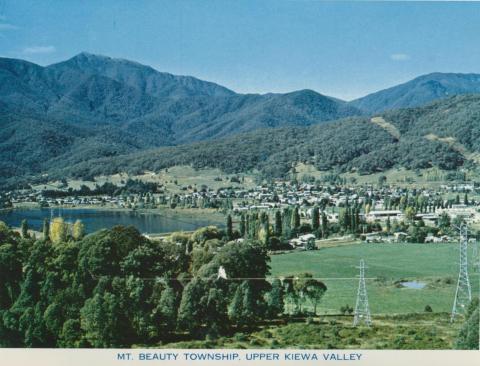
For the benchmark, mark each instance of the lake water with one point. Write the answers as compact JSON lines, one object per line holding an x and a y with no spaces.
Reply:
{"x":414,"y":284}
{"x":100,"y":219}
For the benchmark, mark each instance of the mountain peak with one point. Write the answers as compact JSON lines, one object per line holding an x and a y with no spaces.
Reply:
{"x":87,"y":58}
{"x":420,"y":91}
{"x":94,"y":62}
{"x":139,"y":76}
{"x":88,"y":54}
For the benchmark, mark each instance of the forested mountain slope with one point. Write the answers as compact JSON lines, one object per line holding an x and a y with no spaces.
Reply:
{"x":92,"y":106}
{"x":419,"y":91}
{"x":353,"y":144}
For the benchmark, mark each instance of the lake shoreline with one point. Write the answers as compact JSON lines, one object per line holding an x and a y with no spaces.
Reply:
{"x":212,"y":214}
{"x":152,"y":221}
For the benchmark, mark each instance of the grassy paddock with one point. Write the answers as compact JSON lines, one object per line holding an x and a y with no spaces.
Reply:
{"x":434,"y":264}
{"x":173,"y":179}
{"x":431,"y":177}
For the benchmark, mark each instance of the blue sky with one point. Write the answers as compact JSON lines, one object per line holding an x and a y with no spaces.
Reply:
{"x":343,"y":49}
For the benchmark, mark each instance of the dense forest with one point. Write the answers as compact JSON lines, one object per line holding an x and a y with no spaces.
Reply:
{"x":444,"y":135}
{"x":115,"y":288}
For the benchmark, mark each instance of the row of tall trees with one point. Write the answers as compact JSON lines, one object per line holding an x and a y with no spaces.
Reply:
{"x":286,"y":224}
{"x":58,"y":230}
{"x":349,"y":220}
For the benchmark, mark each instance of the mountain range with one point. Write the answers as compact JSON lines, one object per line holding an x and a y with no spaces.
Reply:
{"x":444,"y":134}
{"x":95,"y":108}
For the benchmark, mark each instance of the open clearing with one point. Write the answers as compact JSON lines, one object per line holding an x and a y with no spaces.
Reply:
{"x":387,"y":126}
{"x":174,"y":179}
{"x":434,"y":264}
{"x":455,"y":145}
{"x":422,"y":178}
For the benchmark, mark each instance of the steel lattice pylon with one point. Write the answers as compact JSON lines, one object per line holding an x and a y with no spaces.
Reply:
{"x":362,"y":311}
{"x":463,"y":294}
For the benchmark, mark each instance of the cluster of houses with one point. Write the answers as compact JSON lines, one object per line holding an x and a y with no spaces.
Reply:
{"x":68,"y":201}
{"x":282,"y":194}
{"x":469,"y":214}
{"x":402,"y":237}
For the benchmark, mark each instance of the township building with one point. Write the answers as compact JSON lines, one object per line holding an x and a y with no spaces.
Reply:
{"x":383,"y":215}
{"x":468,"y":213}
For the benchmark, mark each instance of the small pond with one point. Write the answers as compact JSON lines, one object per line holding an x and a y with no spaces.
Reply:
{"x":417,"y":285}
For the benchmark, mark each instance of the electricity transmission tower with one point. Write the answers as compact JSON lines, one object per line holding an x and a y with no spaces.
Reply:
{"x":362,"y":311}
{"x":463,"y":294}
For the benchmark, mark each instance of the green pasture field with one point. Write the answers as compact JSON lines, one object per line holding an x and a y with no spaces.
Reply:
{"x":434,"y":264}
{"x":173,"y":179}
{"x":421,"y":178}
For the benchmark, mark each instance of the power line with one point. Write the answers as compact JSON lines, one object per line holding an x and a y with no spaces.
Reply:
{"x":268,"y":278}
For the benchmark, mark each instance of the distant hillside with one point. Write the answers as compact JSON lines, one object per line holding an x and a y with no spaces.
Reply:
{"x":94,"y":106}
{"x":444,"y":134}
{"x":419,"y":91}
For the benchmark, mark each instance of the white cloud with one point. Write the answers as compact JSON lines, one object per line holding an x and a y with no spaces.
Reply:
{"x":39,"y":49}
{"x":7,"y":26}
{"x":400,"y":57}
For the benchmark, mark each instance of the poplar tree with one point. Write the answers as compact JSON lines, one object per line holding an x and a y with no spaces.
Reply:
{"x":24,"y":229}
{"x":295,"y":218}
{"x":78,"y":230}
{"x":324,"y":225}
{"x":242,"y":225}
{"x":58,"y":230}
{"x":315,"y":218}
{"x":46,"y":229}
{"x":286,"y":221}
{"x":278,"y":224}
{"x":264,"y":232}
{"x":229,"y":227}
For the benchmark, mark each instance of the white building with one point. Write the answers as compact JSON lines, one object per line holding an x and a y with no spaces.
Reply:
{"x":383,"y":215}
